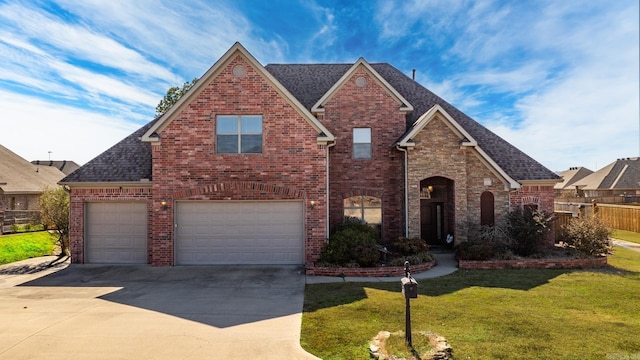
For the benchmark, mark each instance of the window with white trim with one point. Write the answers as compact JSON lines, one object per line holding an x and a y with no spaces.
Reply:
{"x":362,"y":143}
{"x":239,"y":134}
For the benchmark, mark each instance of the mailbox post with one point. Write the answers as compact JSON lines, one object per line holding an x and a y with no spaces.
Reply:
{"x":410,"y":291}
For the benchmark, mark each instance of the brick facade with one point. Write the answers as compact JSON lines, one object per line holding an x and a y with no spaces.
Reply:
{"x":79,"y":197}
{"x":367,"y":106}
{"x":187,"y":166}
{"x":294,"y":163}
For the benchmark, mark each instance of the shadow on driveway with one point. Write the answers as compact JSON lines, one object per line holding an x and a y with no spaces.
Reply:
{"x":221,"y":296}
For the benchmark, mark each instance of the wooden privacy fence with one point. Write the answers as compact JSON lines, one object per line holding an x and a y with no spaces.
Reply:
{"x":622,"y":217}
{"x":614,"y":216}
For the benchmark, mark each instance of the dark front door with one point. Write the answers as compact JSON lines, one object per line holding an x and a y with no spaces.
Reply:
{"x":432,"y":222}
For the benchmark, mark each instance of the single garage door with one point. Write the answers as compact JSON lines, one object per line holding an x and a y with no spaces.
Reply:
{"x":116,"y":233}
{"x":228,"y":232}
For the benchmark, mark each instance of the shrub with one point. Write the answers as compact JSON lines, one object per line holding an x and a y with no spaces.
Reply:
{"x":408,"y":246}
{"x":351,"y":242}
{"x":587,"y":235}
{"x":418,"y":258}
{"x":526,"y":230}
{"x":475,"y":250}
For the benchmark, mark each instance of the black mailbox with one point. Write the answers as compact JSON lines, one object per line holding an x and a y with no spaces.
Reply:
{"x":409,"y":288}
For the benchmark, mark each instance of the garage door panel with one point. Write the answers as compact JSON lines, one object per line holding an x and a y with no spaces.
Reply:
{"x":116,"y":233}
{"x":211,"y":232}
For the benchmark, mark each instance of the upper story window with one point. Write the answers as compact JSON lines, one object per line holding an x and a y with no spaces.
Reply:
{"x":239,"y":134}
{"x":362,"y":143}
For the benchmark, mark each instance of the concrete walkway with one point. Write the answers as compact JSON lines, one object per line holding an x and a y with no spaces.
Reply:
{"x":626,"y":244}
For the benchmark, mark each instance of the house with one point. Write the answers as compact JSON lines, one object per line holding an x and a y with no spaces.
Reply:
{"x":256,"y":164}
{"x":21,"y":182}
{"x":569,"y":177}
{"x":618,"y":182}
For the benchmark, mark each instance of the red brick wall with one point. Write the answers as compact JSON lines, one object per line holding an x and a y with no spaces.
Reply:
{"x":382,"y":176}
{"x":79,"y":197}
{"x":186,"y":166}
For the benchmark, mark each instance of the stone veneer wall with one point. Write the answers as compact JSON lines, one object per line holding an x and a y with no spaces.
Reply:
{"x":438,"y":153}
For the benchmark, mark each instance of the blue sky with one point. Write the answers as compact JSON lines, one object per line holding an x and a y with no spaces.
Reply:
{"x":558,"y":79}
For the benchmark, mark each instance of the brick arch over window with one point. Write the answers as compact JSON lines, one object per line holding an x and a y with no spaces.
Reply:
{"x":531,"y":203}
{"x":240,"y":187}
{"x":487,"y":209}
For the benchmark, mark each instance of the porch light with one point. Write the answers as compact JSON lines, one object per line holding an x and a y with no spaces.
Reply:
{"x":430,"y":188}
{"x":163,"y":202}
{"x":313,"y":204}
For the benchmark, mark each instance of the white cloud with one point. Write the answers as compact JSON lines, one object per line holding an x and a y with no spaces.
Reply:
{"x":32,"y":127}
{"x":80,"y":42}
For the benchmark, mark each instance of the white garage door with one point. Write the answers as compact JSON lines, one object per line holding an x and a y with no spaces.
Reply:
{"x":224,"y":232}
{"x":116,"y":233}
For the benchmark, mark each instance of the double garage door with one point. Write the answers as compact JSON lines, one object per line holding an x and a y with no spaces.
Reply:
{"x":239,"y":232}
{"x":206,"y":232}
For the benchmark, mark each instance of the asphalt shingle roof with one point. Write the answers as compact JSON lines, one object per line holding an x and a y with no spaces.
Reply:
{"x":19,"y":176}
{"x":620,"y":174}
{"x":130,"y":159}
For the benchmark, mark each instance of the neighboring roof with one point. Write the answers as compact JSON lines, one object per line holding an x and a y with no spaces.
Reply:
{"x":19,"y":176}
{"x":67,"y":167}
{"x":310,"y":82}
{"x":621,"y":174}
{"x":127,"y":161}
{"x":570,"y":176}
{"x":304,"y":85}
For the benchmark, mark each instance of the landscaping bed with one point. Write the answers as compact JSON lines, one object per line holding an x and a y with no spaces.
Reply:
{"x":382,"y":271}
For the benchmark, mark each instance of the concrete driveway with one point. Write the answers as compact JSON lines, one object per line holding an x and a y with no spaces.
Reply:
{"x":142,"y":312}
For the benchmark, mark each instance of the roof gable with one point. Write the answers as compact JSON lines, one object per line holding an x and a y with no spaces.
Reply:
{"x":467,"y":139}
{"x":236,"y":50}
{"x":405,"y":106}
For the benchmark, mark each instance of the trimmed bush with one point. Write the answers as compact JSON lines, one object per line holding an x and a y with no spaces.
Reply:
{"x":352,"y":242}
{"x":588,"y":236}
{"x":408,"y":246}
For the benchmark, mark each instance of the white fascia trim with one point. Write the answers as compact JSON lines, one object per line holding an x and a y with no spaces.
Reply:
{"x":212,"y":72}
{"x":406,"y":107}
{"x":426,"y":118}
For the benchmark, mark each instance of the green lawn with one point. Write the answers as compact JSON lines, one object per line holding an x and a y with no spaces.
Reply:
{"x":626,"y":235}
{"x":489,"y":314}
{"x":26,"y":245}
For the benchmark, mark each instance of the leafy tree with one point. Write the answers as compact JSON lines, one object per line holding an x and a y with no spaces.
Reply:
{"x":54,"y":209}
{"x":173,"y":95}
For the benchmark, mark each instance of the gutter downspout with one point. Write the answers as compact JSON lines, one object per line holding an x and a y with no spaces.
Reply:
{"x":406,"y":190}
{"x":326,"y":230}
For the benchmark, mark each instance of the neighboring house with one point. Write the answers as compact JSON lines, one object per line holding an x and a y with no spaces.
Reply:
{"x":256,"y":164}
{"x":618,"y":180}
{"x":67,"y":167}
{"x":569,"y":177}
{"x":22,"y":183}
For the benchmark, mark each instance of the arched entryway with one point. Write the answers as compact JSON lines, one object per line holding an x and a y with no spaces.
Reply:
{"x":437,"y":211}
